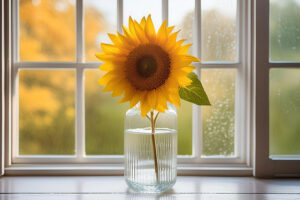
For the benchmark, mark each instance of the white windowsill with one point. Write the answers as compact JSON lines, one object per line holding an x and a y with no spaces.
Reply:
{"x":117,"y":169}
{"x":114,"y":187}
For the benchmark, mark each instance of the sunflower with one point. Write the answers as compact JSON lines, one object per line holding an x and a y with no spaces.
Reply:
{"x":146,"y":66}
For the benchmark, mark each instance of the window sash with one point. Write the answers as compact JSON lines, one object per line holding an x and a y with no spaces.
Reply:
{"x":2,"y":96}
{"x":265,"y":166}
{"x":242,"y":103}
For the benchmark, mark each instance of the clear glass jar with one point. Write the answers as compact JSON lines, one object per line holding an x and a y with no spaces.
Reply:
{"x":150,"y":154}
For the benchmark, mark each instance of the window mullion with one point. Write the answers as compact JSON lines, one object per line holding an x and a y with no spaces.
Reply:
{"x":2,"y":105}
{"x":197,"y":29}
{"x":80,"y":119}
{"x":79,"y":32}
{"x":218,"y":65}
{"x":197,"y":123}
{"x":165,"y":10}
{"x":79,"y":125}
{"x":243,"y":106}
{"x":119,"y":15}
{"x":240,"y":93}
{"x":16,"y":36}
{"x":284,"y":64}
{"x":241,"y":86}
{"x":45,"y":65}
{"x":13,"y":149}
{"x":239,"y":51}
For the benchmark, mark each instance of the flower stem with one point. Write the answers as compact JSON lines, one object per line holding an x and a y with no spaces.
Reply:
{"x":153,"y":124}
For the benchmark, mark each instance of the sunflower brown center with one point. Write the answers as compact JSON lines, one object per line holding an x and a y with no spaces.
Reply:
{"x":147,"y":67}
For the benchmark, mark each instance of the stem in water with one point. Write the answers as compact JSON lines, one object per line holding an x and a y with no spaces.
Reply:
{"x":153,"y":124}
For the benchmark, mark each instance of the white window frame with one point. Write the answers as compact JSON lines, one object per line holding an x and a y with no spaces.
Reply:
{"x":2,"y":95}
{"x":265,"y":165}
{"x":239,"y":164}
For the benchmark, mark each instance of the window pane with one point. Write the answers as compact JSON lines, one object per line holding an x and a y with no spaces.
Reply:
{"x":182,"y":16}
{"x":284,"y":30}
{"x":47,"y":30}
{"x":104,"y":118}
{"x":137,"y":9}
{"x":284,"y":112}
{"x":47,"y":112}
{"x":100,"y":18}
{"x":218,"y":120}
{"x":218,"y":30}
{"x":185,"y":127}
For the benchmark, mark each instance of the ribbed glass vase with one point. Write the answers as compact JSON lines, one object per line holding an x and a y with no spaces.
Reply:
{"x":150,"y":149}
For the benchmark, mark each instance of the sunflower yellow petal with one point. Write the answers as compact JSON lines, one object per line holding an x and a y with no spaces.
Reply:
{"x":152,"y":98}
{"x":114,"y":85}
{"x":105,"y":78}
{"x":172,"y":41}
{"x":163,"y":94}
{"x":143,"y":23}
{"x":117,"y":91}
{"x":184,"y":81}
{"x":111,"y":58}
{"x":171,"y":83}
{"x":149,"y":29}
{"x":179,"y":43}
{"x":192,"y":58}
{"x":119,"y":41}
{"x":131,"y":25}
{"x":174,"y":99}
{"x":183,"y":60}
{"x":117,"y":86}
{"x":184,"y":49}
{"x":140,"y":32}
{"x":162,"y":33}
{"x":188,"y":69}
{"x":112,"y":49}
{"x":106,"y":67}
{"x":136,"y":98}
{"x":128,"y":94}
{"x":160,"y":108}
{"x":173,"y":36}
{"x":123,"y":39}
{"x":145,"y":106}
{"x":132,"y":30}
{"x":170,"y":29}
{"x":115,"y":39}
{"x":130,"y":38}
{"x":161,"y":102}
{"x":109,"y":86}
{"x":177,"y":47}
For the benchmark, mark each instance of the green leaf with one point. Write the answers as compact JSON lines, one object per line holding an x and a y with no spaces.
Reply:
{"x":194,"y":93}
